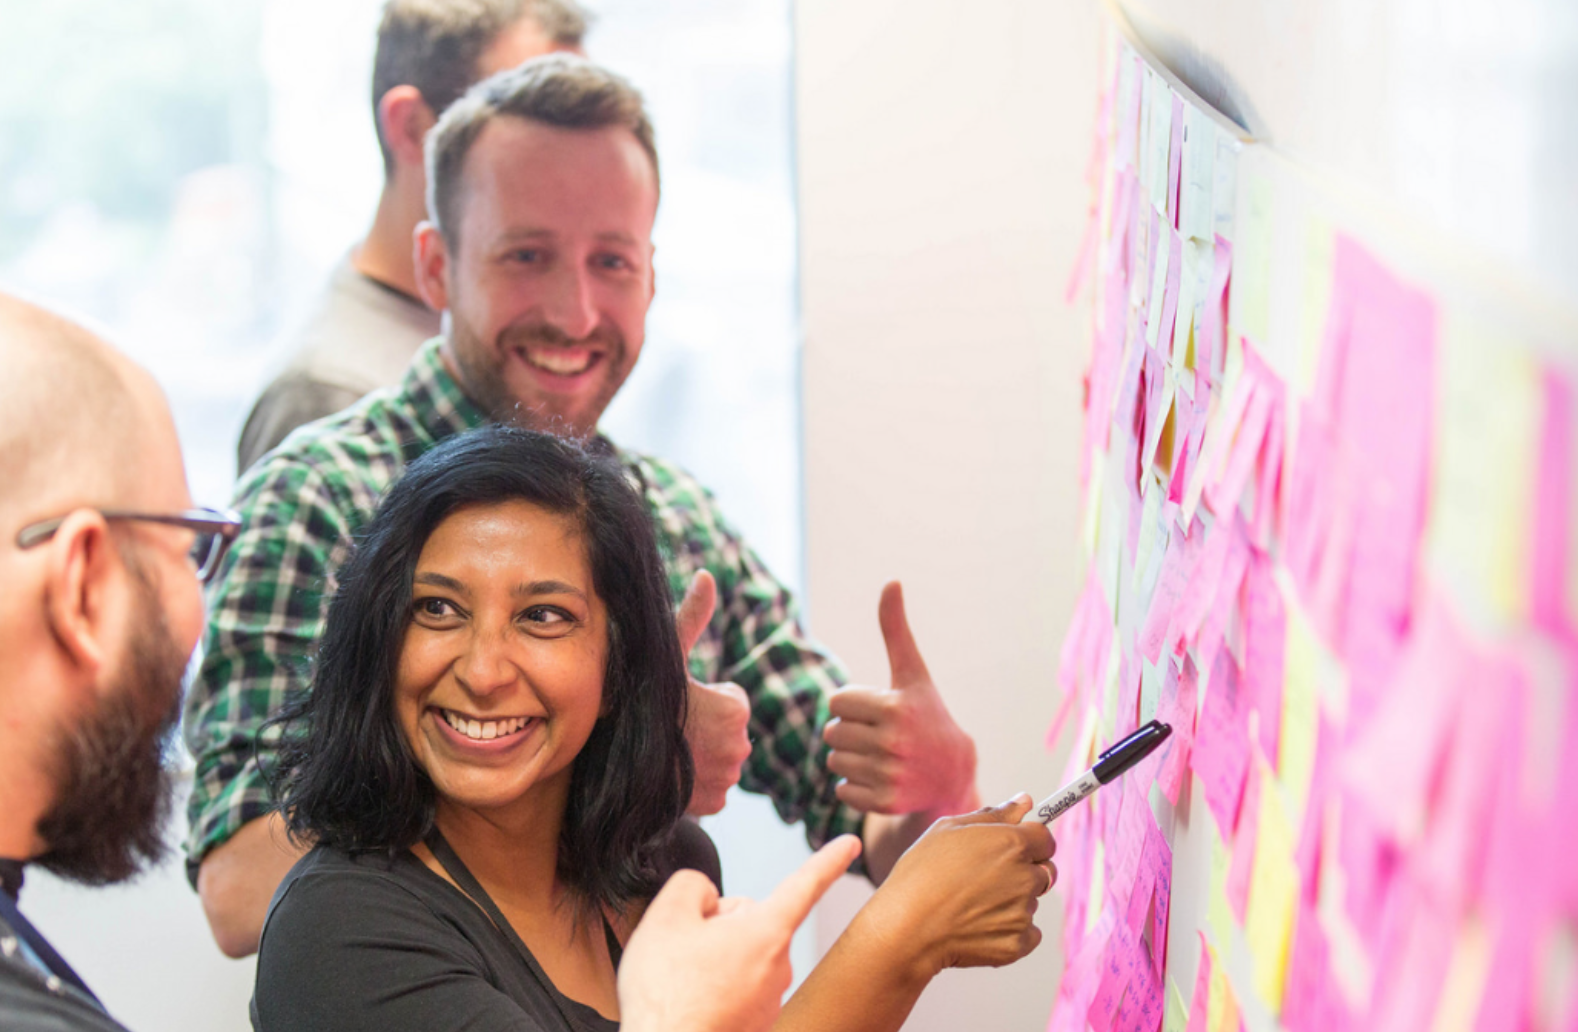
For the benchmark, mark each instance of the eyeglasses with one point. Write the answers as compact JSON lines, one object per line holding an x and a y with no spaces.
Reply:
{"x":215,"y":529}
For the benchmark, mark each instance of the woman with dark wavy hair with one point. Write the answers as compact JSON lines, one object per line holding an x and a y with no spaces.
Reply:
{"x":493,"y":767}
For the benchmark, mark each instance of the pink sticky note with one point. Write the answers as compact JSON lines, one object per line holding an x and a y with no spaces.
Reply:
{"x":1310,"y":1004}
{"x":1394,"y":756}
{"x":1245,"y":839}
{"x":1101,"y":385}
{"x":1202,"y":990}
{"x":1553,"y":507}
{"x":1175,"y":160}
{"x":1413,"y":964}
{"x":1172,"y":586}
{"x":1201,"y":594}
{"x":1380,"y":335}
{"x":1126,"y":846}
{"x":1145,"y":1001}
{"x":1221,"y":747}
{"x":1209,"y":348}
{"x":1117,"y":968}
{"x":1179,"y":712}
{"x":1087,"y":253}
{"x":1124,"y":188}
{"x":1174,"y":273}
{"x":1155,"y":406}
{"x":1369,"y":863}
{"x":1452,"y":858}
{"x":1158,"y":861}
{"x":1190,"y":430}
{"x":1081,"y":978}
{"x":1209,"y":640}
{"x":1265,"y":628}
{"x":1224,"y":493}
{"x":1268,"y":475}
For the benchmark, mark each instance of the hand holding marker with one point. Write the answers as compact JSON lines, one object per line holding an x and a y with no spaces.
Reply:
{"x":1110,"y":765}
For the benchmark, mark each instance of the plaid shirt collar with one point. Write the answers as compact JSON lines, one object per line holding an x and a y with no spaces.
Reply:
{"x":437,"y":400}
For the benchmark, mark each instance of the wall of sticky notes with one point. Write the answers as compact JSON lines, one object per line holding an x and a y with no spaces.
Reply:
{"x":1331,"y":538}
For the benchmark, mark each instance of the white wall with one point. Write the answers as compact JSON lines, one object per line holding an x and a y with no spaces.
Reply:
{"x":1457,"y":113}
{"x":941,"y":151}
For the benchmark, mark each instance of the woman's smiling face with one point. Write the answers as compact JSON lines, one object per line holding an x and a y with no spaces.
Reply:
{"x":501,"y":672}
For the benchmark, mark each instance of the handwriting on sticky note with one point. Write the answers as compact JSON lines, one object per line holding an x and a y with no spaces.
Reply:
{"x":1221,"y":748}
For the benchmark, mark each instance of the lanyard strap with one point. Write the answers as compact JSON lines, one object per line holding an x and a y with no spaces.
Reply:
{"x":41,"y":948}
{"x":456,"y":869}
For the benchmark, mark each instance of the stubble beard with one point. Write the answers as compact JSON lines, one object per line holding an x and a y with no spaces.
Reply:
{"x":481,"y":373}
{"x":115,"y":792}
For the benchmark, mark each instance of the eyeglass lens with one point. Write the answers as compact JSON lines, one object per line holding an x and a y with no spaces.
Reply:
{"x":205,"y":552}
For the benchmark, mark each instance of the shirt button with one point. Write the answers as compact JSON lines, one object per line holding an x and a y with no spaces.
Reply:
{"x":52,"y":983}
{"x":8,"y":946}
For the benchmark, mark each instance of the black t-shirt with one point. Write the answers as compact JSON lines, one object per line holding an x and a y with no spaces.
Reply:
{"x":371,"y":943}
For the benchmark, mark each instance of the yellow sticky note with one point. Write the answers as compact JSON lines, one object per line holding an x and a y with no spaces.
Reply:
{"x":1465,"y":981}
{"x":1221,"y":1006}
{"x":1300,"y":708}
{"x":1487,"y":447}
{"x":1273,"y":897}
{"x":1219,"y":913}
{"x":1249,"y":302}
{"x":1319,"y":261}
{"x":1177,"y":1017}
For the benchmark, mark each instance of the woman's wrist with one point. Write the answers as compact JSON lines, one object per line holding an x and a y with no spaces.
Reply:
{"x":895,"y":929}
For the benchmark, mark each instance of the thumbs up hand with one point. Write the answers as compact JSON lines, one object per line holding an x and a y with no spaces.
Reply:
{"x":898,"y":749}
{"x":718,"y":717}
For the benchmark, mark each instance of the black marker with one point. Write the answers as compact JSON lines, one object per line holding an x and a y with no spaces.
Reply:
{"x":1110,"y":765}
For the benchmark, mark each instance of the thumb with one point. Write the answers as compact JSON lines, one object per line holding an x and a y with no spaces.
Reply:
{"x":904,"y":658}
{"x":695,"y":610}
{"x":793,"y":899}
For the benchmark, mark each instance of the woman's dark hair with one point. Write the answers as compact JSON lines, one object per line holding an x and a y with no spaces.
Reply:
{"x":346,"y":776}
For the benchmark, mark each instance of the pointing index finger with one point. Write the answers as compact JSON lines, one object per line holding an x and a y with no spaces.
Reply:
{"x":792,"y":900}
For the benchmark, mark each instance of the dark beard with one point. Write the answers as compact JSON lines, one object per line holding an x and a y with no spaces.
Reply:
{"x":114,"y":792}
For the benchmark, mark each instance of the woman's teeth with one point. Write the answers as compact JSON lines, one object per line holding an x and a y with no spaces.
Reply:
{"x":484,"y":730}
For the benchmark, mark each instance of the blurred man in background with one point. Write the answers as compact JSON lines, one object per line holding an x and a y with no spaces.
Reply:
{"x":368,"y":321}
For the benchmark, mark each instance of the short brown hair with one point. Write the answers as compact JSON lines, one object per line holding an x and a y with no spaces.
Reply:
{"x":436,"y":45}
{"x":560,"y":90}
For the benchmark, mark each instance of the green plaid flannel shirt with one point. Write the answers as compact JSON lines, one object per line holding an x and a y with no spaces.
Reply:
{"x":304,"y":505}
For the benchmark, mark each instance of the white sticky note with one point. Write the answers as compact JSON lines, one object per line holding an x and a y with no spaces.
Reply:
{"x":1196,"y":216}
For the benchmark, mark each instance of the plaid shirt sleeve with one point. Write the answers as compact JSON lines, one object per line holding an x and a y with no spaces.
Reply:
{"x":755,"y":640}
{"x":265,"y":615}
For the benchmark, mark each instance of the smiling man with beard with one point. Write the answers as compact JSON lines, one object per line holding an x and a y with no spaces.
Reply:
{"x":542,"y":192}
{"x":100,"y":614}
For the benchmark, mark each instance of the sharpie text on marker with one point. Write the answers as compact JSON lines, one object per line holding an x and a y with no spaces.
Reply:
{"x":1110,"y":765}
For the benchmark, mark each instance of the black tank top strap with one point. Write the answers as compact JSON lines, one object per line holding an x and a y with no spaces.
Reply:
{"x":456,"y":869}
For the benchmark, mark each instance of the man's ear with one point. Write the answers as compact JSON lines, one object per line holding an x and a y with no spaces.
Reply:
{"x":81,"y":565}
{"x":405,"y":118}
{"x":432,"y":265}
